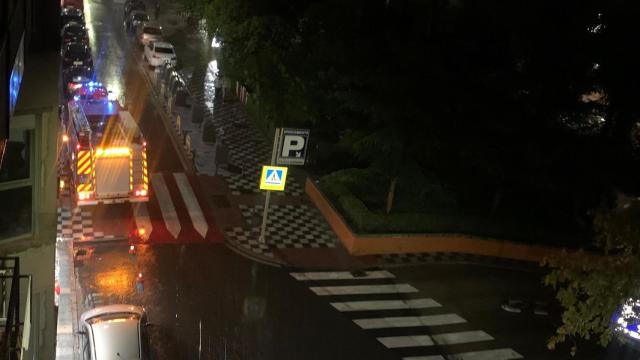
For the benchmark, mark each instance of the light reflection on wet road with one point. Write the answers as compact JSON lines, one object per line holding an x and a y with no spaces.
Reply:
{"x":206,"y":297}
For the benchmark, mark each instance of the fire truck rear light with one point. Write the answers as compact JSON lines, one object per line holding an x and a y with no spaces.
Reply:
{"x":113,"y":151}
{"x":78,"y":147}
{"x":141,"y":192}
{"x":85,"y":195}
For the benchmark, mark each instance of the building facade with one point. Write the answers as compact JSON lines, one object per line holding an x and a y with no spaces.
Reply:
{"x":29,"y":98}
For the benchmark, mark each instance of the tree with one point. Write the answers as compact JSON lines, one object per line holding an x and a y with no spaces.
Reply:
{"x":591,"y":286}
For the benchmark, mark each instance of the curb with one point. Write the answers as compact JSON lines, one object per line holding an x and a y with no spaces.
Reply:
{"x":100,"y":241}
{"x":253,"y":256}
{"x":166,"y":121}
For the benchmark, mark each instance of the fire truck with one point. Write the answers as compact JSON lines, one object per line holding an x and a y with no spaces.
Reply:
{"x":106,"y":153}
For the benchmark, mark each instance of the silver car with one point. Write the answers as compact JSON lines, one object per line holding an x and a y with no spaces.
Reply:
{"x":115,"y":332}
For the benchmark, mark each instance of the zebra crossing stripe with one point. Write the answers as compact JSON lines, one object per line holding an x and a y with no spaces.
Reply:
{"x":385,"y":305}
{"x":341,"y":275}
{"x":461,"y":337}
{"x":167,"y":209}
{"x":193,"y":208}
{"x":394,"y":342}
{"x":497,"y":354}
{"x":409,"y":321}
{"x":363,"y":289}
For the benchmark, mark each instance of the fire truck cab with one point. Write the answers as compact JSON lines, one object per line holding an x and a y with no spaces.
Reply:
{"x":108,"y":157}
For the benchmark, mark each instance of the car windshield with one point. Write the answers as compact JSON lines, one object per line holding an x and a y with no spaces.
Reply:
{"x":163,"y":50}
{"x":76,"y":50}
{"x":152,"y":30}
{"x":68,"y":18}
{"x":116,"y":336}
{"x":75,"y":30}
{"x":141,"y":17}
{"x":79,"y":73}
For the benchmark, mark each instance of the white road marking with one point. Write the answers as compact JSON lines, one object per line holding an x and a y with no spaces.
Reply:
{"x":393,"y":342}
{"x":363,"y":289}
{"x":409,"y":321}
{"x":498,"y":354}
{"x":143,"y":223}
{"x":167,"y":209}
{"x":461,"y":337}
{"x":341,"y":275}
{"x":193,"y":208}
{"x":385,"y":305}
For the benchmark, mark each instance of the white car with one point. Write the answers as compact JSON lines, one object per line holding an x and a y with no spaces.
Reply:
{"x":115,"y":332}
{"x":159,"y":53}
{"x":148,"y":33}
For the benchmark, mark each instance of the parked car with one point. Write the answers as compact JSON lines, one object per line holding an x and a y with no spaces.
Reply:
{"x":78,"y":4}
{"x":115,"y":332}
{"x":74,"y":77}
{"x":131,"y":5}
{"x":70,"y":14}
{"x":159,"y":53}
{"x":135,"y":19}
{"x":76,"y":54}
{"x":74,"y":32}
{"x":149,"y":32}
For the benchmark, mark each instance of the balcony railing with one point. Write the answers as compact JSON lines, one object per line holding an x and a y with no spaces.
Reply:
{"x":14,"y":324}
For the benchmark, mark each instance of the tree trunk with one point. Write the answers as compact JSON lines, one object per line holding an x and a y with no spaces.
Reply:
{"x":391,"y":193}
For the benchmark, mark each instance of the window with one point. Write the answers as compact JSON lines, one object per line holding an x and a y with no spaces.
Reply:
{"x":16,"y":163}
{"x":15,"y":212}
{"x":16,"y":185}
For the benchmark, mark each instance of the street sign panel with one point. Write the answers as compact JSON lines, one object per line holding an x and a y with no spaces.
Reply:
{"x":292,"y":149}
{"x":273,"y":178}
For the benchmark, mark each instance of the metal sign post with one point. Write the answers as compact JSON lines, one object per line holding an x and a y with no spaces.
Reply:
{"x":263,"y":226}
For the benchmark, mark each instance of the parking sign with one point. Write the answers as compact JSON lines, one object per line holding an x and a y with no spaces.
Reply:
{"x":292,"y":149}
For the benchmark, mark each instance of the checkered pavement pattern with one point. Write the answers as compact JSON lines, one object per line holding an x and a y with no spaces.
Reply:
{"x":451,"y":258}
{"x":288,"y":226}
{"x":75,"y":224}
{"x":247,"y":148}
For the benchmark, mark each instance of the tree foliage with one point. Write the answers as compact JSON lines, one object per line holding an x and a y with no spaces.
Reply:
{"x":592,"y":286}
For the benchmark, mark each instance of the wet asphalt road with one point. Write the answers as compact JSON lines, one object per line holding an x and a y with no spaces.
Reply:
{"x":205,"y":302}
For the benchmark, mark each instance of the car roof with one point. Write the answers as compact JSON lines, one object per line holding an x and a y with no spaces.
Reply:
{"x":163,"y":44}
{"x":116,"y":338}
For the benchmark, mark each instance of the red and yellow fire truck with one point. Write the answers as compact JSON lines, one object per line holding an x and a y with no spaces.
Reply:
{"x":106,"y":153}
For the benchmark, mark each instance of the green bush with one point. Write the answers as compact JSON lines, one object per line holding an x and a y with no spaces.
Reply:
{"x":337,"y":188}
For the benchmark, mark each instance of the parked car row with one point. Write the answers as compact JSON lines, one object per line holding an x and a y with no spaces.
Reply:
{"x":77,"y":62}
{"x":148,"y":34}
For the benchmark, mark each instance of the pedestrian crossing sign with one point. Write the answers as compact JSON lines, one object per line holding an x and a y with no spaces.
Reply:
{"x":273,"y":178}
